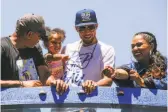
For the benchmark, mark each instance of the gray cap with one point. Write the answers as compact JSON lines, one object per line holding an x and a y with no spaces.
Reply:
{"x":31,"y":22}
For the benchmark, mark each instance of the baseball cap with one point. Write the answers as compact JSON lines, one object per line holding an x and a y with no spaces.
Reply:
{"x":31,"y":22}
{"x":85,"y":17}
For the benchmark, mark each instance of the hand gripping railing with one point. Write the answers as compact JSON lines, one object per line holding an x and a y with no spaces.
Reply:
{"x":118,"y":99}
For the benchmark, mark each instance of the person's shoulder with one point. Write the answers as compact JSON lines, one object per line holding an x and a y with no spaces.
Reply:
{"x":4,"y":41}
{"x":4,"y":38}
{"x":105,"y":46}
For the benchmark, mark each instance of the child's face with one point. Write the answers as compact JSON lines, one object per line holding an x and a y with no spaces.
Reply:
{"x":55,"y":44}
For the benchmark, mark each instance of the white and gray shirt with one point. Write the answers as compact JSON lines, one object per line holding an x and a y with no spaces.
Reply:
{"x":87,"y":63}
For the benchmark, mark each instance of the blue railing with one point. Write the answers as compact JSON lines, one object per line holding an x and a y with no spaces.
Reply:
{"x":102,"y":99}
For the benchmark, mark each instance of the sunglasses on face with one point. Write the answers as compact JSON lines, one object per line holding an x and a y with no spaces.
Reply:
{"x":83,"y":28}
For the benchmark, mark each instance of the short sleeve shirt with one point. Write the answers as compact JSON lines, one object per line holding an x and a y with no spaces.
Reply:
{"x":19,"y":64}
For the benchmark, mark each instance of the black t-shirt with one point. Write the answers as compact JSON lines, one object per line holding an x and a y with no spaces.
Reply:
{"x":10,"y":56}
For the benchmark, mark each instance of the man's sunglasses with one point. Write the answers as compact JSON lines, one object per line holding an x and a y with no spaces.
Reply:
{"x":89,"y":27}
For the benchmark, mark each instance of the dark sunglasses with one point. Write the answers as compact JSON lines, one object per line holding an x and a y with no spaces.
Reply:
{"x":83,"y":28}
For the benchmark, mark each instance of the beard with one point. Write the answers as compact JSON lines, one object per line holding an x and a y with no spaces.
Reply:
{"x":88,"y":41}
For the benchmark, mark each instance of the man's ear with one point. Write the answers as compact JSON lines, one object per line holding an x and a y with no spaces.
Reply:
{"x":29,"y":35}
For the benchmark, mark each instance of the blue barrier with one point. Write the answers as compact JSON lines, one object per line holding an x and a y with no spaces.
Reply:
{"x":107,"y":98}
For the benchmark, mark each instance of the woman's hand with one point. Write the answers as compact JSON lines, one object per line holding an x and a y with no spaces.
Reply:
{"x":136,"y":77}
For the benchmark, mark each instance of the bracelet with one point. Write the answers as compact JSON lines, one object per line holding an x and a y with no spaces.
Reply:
{"x":21,"y":83}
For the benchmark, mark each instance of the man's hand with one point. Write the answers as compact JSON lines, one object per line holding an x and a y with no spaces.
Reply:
{"x":61,"y":86}
{"x":31,"y":83}
{"x":108,"y":71}
{"x":89,"y":86}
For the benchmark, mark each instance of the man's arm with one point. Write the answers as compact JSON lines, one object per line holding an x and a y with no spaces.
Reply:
{"x":17,"y":83}
{"x":10,"y":83}
{"x":49,"y":80}
{"x":45,"y":77}
{"x":6,"y":83}
{"x":108,"y":60}
{"x":42,"y":67}
{"x":105,"y":81}
{"x":90,"y":85}
{"x":44,"y":74}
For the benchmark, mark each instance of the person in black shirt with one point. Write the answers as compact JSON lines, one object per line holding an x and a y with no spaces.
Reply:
{"x":22,"y":62}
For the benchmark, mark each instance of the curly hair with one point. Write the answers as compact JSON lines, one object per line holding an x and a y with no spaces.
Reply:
{"x":60,"y":32}
{"x":50,"y":33}
{"x":156,"y":58}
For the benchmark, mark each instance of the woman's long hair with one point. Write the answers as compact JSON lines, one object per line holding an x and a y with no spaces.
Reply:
{"x":157,"y":60}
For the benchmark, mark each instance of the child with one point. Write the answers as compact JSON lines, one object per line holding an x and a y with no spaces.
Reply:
{"x":53,"y":58}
